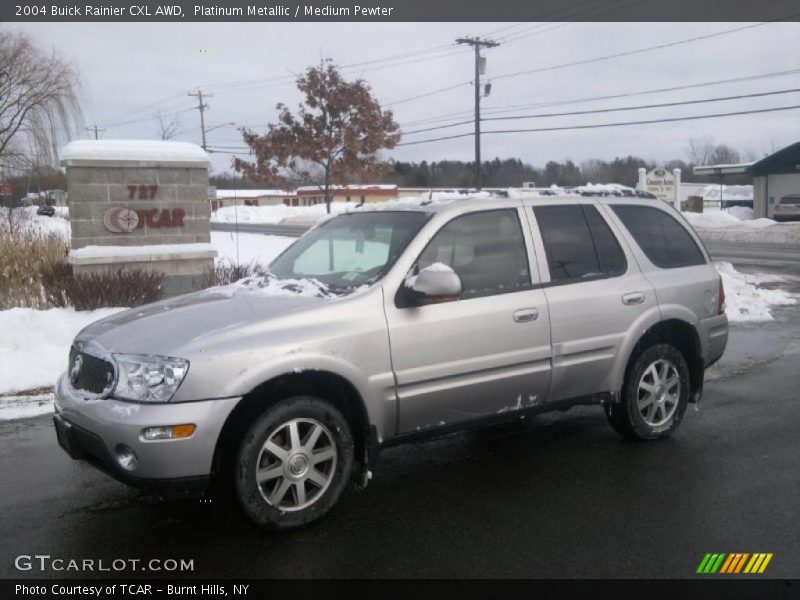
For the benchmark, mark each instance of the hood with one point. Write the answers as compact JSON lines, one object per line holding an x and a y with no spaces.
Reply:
{"x":166,"y":326}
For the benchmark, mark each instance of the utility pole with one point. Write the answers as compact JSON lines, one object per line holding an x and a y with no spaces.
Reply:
{"x":201,"y":106}
{"x":96,"y":130}
{"x":477,"y":43}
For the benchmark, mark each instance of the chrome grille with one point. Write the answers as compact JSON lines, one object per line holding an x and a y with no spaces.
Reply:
{"x":89,"y":373}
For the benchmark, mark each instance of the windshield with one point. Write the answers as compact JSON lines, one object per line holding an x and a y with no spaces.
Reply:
{"x":351,"y":250}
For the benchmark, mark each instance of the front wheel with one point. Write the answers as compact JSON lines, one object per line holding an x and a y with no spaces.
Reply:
{"x":294,"y":463}
{"x":654,"y":396}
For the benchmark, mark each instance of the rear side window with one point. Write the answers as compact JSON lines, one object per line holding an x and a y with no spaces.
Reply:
{"x":578,"y":243}
{"x":665,"y":241}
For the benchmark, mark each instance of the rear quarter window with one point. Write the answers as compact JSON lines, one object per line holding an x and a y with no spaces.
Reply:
{"x":661,"y":237}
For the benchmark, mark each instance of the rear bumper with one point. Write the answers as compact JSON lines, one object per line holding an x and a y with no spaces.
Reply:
{"x":94,"y":430}
{"x":713,"y":338}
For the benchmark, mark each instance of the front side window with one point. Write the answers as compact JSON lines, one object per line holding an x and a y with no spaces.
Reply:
{"x":486,"y":249}
{"x":578,"y":243}
{"x":350,"y":250}
{"x":665,"y":241}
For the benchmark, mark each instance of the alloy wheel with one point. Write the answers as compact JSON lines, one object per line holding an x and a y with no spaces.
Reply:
{"x":296,"y":464}
{"x":658,"y":393}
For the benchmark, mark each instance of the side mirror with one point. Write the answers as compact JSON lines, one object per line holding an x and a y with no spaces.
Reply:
{"x":436,"y":283}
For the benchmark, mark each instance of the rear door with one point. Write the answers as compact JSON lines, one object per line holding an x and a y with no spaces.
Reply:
{"x":595,"y":293}
{"x":485,"y":353}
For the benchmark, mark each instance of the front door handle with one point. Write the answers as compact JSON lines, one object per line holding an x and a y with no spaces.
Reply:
{"x":526,"y":314}
{"x":632,"y":298}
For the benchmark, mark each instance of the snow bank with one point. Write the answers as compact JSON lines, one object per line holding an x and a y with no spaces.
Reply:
{"x":34,"y":346}
{"x":729,"y":192}
{"x":272,"y":215}
{"x":744,"y":300}
{"x":25,"y":407}
{"x":736,"y":217}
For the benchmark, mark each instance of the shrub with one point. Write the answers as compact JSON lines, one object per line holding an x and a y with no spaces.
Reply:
{"x":226,"y":272}
{"x":24,"y":256}
{"x":34,"y":273}
{"x":129,"y":287}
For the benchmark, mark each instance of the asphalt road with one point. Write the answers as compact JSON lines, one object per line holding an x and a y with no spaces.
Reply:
{"x":560,"y":496}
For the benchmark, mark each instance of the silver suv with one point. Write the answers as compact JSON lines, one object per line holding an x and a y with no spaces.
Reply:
{"x":383,"y":326}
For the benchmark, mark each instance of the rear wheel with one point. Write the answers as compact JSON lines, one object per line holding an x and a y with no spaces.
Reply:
{"x":294,"y":463}
{"x":654,"y":396}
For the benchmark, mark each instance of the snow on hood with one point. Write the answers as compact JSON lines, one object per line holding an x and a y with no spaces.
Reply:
{"x":174,"y":326}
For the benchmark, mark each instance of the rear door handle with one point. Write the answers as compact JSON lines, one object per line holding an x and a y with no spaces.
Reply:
{"x":633,"y":298}
{"x":526,"y":314}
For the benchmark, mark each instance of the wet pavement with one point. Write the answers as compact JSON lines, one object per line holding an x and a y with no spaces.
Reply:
{"x":558,"y":496}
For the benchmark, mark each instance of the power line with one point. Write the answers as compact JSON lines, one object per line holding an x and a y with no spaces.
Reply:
{"x":633,"y":52}
{"x":148,"y":119}
{"x":427,"y":94}
{"x":512,"y":107}
{"x":599,"y":58}
{"x":643,"y":106}
{"x":600,"y":125}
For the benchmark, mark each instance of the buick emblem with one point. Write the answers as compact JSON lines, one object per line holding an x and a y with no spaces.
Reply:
{"x":75,"y":369}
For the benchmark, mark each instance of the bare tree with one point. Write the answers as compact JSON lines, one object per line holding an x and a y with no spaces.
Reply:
{"x":169,"y":125}
{"x":39,"y":98}
{"x":700,"y":150}
{"x":724,"y":155}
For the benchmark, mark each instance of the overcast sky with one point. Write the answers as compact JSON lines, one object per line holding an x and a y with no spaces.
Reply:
{"x":130,"y":70}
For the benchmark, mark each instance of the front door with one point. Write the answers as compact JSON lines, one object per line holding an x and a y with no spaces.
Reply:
{"x":485,"y":353}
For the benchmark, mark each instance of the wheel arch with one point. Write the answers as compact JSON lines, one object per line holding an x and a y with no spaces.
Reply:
{"x":683,"y":336}
{"x":326,"y":385}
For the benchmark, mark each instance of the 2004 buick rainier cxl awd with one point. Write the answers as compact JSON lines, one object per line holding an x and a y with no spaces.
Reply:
{"x":383,"y":326}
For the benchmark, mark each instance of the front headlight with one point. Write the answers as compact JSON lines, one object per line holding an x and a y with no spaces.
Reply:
{"x":145,"y":378}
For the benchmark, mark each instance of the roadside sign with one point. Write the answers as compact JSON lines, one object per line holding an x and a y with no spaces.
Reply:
{"x":6,"y":189}
{"x":661,"y":183}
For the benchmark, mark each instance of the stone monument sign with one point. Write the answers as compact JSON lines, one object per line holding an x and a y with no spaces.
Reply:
{"x":140,"y":204}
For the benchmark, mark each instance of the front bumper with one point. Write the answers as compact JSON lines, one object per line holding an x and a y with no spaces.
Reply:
{"x":93,"y":429}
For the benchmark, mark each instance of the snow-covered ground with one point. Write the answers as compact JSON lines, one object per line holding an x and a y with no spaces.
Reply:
{"x":35,"y":344}
{"x":746,"y":300}
{"x":29,"y":220}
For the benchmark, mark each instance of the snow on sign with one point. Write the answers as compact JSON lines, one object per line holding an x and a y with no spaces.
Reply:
{"x":661,"y":183}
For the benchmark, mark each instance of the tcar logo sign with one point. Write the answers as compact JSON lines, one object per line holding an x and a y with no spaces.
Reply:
{"x":125,"y":220}
{"x":120,"y":220}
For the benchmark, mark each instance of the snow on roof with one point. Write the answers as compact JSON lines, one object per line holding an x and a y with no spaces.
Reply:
{"x":359,"y":186}
{"x":222,"y":194}
{"x":133,"y":151}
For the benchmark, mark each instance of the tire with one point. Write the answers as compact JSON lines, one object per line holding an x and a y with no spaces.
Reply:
{"x":300,"y":479}
{"x":653,"y":401}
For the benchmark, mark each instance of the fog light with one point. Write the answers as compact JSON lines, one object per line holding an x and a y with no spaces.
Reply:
{"x":168,"y":432}
{"x":126,"y":457}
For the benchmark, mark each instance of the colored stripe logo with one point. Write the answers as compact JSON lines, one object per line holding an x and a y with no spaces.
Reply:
{"x":734,"y":562}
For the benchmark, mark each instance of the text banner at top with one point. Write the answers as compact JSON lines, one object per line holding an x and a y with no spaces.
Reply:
{"x":402,"y":11}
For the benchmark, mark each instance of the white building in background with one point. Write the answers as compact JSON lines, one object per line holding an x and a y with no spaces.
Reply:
{"x":774,"y":177}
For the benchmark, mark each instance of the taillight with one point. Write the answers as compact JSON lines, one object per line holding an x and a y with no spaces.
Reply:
{"x":721,"y":298}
